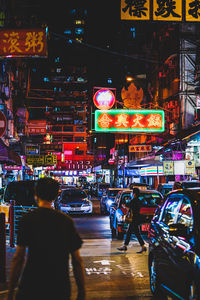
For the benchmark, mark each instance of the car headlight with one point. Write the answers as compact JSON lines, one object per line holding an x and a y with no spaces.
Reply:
{"x":109,"y":202}
{"x":121,"y":218}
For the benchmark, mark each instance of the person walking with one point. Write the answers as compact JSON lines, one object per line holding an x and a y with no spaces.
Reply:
{"x":134,"y":225}
{"x":51,"y":239}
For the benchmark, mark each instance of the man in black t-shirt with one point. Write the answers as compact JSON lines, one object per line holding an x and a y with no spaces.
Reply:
{"x":51,"y":238}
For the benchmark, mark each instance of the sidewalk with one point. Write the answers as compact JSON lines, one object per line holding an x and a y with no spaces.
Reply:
{"x":9,"y":255}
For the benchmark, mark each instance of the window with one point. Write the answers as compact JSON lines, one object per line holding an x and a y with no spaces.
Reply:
{"x":185,"y":215}
{"x":171,"y":209}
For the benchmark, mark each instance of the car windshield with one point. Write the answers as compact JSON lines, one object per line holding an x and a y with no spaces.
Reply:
{"x":150,"y":199}
{"x":71,"y":195}
{"x":113,"y":193}
{"x":147,"y":199}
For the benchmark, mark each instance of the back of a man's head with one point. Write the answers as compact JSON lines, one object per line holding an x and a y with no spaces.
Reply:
{"x":47,"y":189}
{"x":136,"y":191}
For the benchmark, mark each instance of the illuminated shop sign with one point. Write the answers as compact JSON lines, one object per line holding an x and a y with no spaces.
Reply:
{"x":116,"y":120}
{"x":23,"y":42}
{"x":175,"y":10}
{"x":139,"y":148}
{"x":104,"y":99}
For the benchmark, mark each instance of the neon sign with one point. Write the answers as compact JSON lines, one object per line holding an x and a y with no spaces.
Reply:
{"x":104,"y":99}
{"x":121,"y":120}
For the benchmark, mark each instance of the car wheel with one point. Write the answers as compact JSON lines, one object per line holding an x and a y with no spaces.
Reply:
{"x":119,"y":235}
{"x":154,"y":281}
{"x":192,"y":291}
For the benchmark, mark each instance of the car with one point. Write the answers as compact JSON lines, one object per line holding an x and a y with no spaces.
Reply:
{"x":101,"y":188}
{"x":22,"y":192}
{"x":186,"y":184}
{"x":74,"y":201}
{"x":150,"y":200}
{"x":140,"y":185}
{"x":107,"y":199}
{"x":164,"y":188}
{"x":174,"y":246}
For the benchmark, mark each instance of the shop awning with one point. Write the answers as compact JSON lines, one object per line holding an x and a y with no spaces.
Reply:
{"x":8,"y":156}
{"x":144,"y":162}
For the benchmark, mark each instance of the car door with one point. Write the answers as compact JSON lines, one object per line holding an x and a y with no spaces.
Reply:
{"x":163,"y":252}
{"x":113,"y":209}
{"x":180,"y":248}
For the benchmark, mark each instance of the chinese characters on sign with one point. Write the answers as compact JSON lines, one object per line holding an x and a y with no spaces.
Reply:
{"x":139,"y":148}
{"x":117,"y":120}
{"x":163,"y":10}
{"x":23,"y":42}
{"x":37,"y":127}
{"x":135,"y":9}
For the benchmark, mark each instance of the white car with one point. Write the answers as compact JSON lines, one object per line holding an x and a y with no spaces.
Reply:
{"x":74,"y":201}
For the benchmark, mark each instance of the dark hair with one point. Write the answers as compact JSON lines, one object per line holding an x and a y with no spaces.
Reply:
{"x":47,"y":188}
{"x":136,"y":191}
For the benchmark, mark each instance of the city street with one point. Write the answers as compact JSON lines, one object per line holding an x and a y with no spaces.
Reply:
{"x":110,"y":274}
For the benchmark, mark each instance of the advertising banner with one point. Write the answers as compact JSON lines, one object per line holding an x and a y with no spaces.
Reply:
{"x":168,"y":167}
{"x":23,"y":42}
{"x":41,"y":160}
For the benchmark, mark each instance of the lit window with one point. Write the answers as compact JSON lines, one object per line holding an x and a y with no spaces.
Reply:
{"x":67,"y":31}
{"x":58,"y":70}
{"x":79,"y":22}
{"x":79,"y":30}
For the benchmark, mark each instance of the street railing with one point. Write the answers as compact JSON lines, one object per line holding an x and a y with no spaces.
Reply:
{"x":15,"y":214}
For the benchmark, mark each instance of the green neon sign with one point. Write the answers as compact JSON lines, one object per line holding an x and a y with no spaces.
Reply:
{"x":122,"y":120}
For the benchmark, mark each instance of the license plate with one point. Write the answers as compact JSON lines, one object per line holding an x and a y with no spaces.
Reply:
{"x":145,"y":227}
{"x":75,"y":208}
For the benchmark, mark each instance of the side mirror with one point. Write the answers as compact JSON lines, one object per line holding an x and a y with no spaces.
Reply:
{"x":178,"y":229}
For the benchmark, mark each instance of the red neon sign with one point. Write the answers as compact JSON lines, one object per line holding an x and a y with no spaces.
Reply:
{"x":104,"y":99}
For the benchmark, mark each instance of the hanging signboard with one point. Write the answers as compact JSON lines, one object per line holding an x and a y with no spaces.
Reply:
{"x":104,"y":98}
{"x":173,"y":11}
{"x":3,"y":123}
{"x":139,"y":148}
{"x":23,"y":42}
{"x":37,"y":127}
{"x":35,"y":160}
{"x":179,"y":167}
{"x":135,"y":10}
{"x":32,"y":149}
{"x":122,"y":120}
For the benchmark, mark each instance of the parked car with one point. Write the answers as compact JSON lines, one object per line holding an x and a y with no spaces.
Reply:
{"x":74,"y":201}
{"x":174,"y":246}
{"x":22,"y":192}
{"x":108,"y":198}
{"x":186,"y":184}
{"x":164,"y":188}
{"x":140,"y":185}
{"x":150,"y":200}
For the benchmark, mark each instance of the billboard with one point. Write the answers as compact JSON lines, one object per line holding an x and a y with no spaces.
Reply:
{"x":122,"y":120}
{"x":23,"y":42}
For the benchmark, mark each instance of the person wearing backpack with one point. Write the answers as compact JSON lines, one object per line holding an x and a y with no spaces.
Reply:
{"x":134,"y":224}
